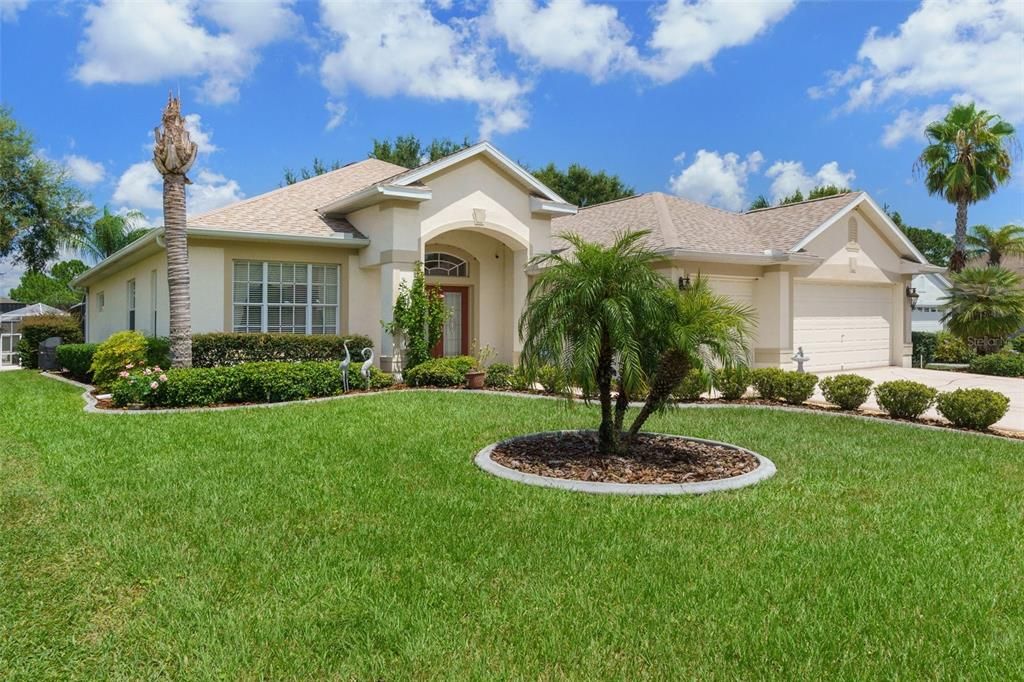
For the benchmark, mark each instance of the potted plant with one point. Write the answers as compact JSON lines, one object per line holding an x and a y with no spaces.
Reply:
{"x":478,"y":372}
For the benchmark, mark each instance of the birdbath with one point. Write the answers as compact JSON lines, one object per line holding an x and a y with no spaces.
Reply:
{"x":800,"y":359}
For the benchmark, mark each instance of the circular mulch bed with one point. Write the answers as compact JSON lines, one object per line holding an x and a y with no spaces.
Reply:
{"x":656,"y":464}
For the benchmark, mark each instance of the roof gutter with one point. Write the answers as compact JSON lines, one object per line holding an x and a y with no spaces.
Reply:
{"x":373,"y":194}
{"x":767,"y":257}
{"x":154,"y":236}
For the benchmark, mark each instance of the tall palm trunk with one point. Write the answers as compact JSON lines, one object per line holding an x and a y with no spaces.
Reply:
{"x":959,"y":257}
{"x":178,"y":282}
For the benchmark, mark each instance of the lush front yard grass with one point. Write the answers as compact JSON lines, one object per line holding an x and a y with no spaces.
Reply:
{"x":356,"y":539}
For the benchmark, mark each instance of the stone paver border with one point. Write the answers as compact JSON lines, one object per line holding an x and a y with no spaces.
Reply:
{"x":765,"y":469}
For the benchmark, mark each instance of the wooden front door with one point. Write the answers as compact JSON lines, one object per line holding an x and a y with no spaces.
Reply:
{"x":455,"y":337}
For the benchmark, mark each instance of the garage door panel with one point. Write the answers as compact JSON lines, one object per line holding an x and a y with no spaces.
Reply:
{"x":842,"y":326}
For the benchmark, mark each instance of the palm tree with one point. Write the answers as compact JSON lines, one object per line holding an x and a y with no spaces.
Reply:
{"x":968,"y":157}
{"x":173,"y":154}
{"x":985,"y":306}
{"x":994,"y":244}
{"x":110,"y":233}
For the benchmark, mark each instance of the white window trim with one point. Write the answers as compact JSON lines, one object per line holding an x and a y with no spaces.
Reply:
{"x":265,"y":304}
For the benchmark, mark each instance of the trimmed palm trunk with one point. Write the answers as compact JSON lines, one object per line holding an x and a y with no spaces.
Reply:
{"x":173,"y":154}
{"x":959,"y":258}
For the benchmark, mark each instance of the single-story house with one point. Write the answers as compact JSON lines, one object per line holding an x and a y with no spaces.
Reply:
{"x":327,"y":256}
{"x":932,"y":289}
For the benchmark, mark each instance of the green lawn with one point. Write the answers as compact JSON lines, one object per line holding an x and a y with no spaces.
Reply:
{"x":355,"y":539}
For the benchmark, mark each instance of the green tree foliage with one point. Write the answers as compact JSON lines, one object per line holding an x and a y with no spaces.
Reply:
{"x":985,"y":306}
{"x":417,"y":320}
{"x":984,"y":242}
{"x":967,"y":158}
{"x":408,"y":151}
{"x":795,"y":198}
{"x":759,"y":202}
{"x":822,"y":191}
{"x":53,"y":288}
{"x":934,"y":246}
{"x":40,"y":209}
{"x":603,"y":316}
{"x":319,"y":167}
{"x":110,"y":233}
{"x":581,"y":186}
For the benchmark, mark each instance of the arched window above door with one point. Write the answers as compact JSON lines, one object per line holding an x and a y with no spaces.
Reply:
{"x":439,"y":264}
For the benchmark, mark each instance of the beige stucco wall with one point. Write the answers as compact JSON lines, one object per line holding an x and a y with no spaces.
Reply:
{"x":114,"y":288}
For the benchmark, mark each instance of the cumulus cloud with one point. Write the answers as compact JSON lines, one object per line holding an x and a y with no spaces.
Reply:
{"x":141,"y":187}
{"x":789,"y":176}
{"x":910,"y":123}
{"x":212,"y":190}
{"x":84,"y":171}
{"x":716,"y":179}
{"x":218,"y":41}
{"x":199,"y":135}
{"x":9,"y":10}
{"x":336,"y":111}
{"x":948,"y":48}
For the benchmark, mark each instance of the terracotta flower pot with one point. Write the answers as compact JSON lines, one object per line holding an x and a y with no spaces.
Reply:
{"x":475,"y":379}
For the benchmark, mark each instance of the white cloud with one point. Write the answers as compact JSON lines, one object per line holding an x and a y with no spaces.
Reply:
{"x":389,"y":49}
{"x":910,"y":123}
{"x":789,"y":176}
{"x":565,"y":34}
{"x":141,"y":187}
{"x":211,"y":190}
{"x":10,"y":276}
{"x":687,"y":34}
{"x":337,"y":111}
{"x":203,"y":138}
{"x":84,"y":171}
{"x":9,"y":10}
{"x":716,"y":179}
{"x":133,"y":42}
{"x":954,"y":49}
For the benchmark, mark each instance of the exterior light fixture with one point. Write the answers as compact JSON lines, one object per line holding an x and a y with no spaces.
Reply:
{"x":684,"y":283}
{"x":912,"y":296}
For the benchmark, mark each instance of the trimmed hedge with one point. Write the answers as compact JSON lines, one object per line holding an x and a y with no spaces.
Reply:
{"x":221,"y":349}
{"x":253,"y":382}
{"x":694,"y":384}
{"x":767,"y":382}
{"x":905,"y":399}
{"x":797,"y":387}
{"x":848,"y":391}
{"x":973,"y":408}
{"x":732,"y":383}
{"x":440,"y":372}
{"x":1003,"y":364}
{"x":76,"y":358}
{"x":38,"y":328}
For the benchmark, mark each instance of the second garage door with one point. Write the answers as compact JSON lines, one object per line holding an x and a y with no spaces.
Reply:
{"x":842,"y":326}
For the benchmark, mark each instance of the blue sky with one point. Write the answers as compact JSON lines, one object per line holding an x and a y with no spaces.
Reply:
{"x":718,"y":102}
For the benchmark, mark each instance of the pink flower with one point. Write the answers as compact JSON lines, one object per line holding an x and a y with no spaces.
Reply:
{"x":147,"y":371}
{"x":153,"y":384}
{"x":156,"y":368}
{"x":163,"y":377}
{"x":129,"y":365}
{"x":124,"y":375}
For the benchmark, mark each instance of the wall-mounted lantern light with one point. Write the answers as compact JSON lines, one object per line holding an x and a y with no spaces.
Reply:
{"x":684,"y":283}
{"x":912,"y":296}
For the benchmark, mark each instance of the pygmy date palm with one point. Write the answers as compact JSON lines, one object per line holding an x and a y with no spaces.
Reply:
{"x":984,"y":242}
{"x":985,"y":306}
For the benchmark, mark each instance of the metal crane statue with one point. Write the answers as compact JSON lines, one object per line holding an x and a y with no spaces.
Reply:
{"x":365,"y":369}
{"x":344,"y":367}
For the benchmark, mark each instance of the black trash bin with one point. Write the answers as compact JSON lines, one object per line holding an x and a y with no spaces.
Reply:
{"x":48,"y":353}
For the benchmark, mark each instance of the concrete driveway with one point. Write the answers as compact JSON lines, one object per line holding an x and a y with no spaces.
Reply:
{"x":947,"y":381}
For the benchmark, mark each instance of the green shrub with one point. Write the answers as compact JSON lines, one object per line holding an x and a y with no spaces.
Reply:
{"x":37,"y":328}
{"x":797,"y":387}
{"x":499,"y":375}
{"x":949,"y":348}
{"x":973,"y":408}
{"x":767,"y":382}
{"x":1003,"y":364}
{"x":551,"y":379}
{"x":439,"y":372}
{"x":1017,"y":343}
{"x":924,"y":346}
{"x":253,"y":382}
{"x":731,"y":382}
{"x":217,"y":350}
{"x":848,"y":391}
{"x":76,"y":358}
{"x":905,"y":399}
{"x":158,"y":351}
{"x":519,"y":380}
{"x":694,"y":383}
{"x":123,"y":350}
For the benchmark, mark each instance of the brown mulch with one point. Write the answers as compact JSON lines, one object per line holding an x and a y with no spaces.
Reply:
{"x":652,"y":459}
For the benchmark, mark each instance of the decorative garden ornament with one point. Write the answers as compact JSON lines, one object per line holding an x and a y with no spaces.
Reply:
{"x":800,"y":359}
{"x":344,"y":367}
{"x":173,"y":154}
{"x":365,"y":369}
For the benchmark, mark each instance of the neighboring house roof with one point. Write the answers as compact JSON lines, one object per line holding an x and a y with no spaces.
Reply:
{"x":292,"y":210}
{"x":30,"y":310}
{"x":678,"y":224}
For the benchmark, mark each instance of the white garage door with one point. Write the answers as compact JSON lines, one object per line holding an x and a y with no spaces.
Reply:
{"x":842,"y":326}
{"x":741,"y":290}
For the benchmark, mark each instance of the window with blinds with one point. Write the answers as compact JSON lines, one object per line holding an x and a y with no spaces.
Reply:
{"x":291,"y":298}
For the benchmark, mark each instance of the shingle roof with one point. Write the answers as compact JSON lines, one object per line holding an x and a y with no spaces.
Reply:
{"x":292,"y":209}
{"x":677,"y":223}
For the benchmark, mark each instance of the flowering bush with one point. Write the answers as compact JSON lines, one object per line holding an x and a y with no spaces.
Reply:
{"x":138,"y":385}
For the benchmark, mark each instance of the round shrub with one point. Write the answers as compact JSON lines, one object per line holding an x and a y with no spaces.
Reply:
{"x":116,"y":354}
{"x":499,"y":375}
{"x":731,"y":382}
{"x":1005,"y":364}
{"x":797,"y":387}
{"x":949,"y":348}
{"x":848,"y":391}
{"x":767,"y":382}
{"x":973,"y":408}
{"x":694,"y":384}
{"x":76,"y":358}
{"x":437,"y":372}
{"x":551,"y":379}
{"x":905,"y":399}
